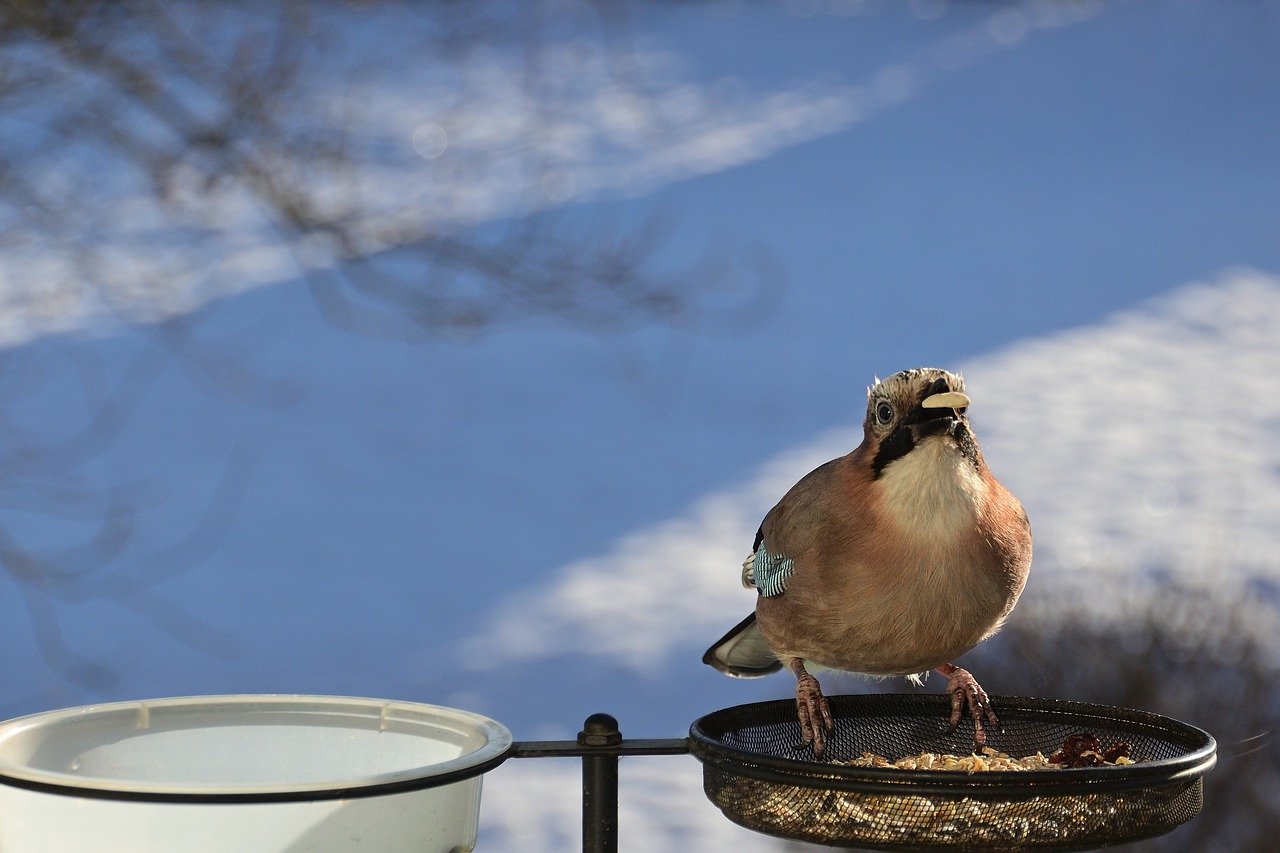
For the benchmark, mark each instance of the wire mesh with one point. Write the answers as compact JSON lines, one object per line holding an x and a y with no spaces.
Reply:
{"x":760,"y":774}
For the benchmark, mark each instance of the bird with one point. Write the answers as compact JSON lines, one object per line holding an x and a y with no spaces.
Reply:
{"x":893,"y":560}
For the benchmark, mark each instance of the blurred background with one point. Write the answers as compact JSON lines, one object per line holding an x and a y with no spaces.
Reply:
{"x":452,"y":352}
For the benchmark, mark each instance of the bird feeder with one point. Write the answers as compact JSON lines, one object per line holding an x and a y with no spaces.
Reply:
{"x":268,"y":774}
{"x":760,"y":775}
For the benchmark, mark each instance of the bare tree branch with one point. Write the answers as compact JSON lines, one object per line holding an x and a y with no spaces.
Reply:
{"x":154,"y":155}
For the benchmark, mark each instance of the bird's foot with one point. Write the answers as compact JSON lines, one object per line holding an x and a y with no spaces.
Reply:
{"x":813,"y":709}
{"x":967,"y":693}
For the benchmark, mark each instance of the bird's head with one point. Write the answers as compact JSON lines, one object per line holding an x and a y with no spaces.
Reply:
{"x":914,"y":407}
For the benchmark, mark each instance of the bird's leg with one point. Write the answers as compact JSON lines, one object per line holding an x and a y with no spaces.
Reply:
{"x":967,"y":692}
{"x":815,"y":713}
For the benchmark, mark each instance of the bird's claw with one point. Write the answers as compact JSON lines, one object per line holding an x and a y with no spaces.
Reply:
{"x":966,"y":692}
{"x":814,"y":711}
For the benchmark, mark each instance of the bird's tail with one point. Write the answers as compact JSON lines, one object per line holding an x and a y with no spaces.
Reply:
{"x":743,"y":652}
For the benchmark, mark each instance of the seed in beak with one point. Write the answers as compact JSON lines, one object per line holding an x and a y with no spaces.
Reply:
{"x":946,"y":400}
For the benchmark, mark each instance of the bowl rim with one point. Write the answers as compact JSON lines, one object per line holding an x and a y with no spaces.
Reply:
{"x":373,"y":713}
{"x":1200,"y":757}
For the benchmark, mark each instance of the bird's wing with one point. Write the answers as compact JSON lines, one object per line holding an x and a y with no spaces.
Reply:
{"x":789,"y":530}
{"x":770,"y":572}
{"x":743,"y":651}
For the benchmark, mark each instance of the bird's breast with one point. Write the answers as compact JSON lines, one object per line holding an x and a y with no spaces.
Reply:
{"x":912,"y":581}
{"x":933,"y":494}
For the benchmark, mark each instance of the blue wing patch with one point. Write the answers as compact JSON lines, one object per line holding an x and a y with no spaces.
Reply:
{"x":771,"y":572}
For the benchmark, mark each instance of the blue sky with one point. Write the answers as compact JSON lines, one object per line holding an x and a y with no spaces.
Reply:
{"x":922,"y":214}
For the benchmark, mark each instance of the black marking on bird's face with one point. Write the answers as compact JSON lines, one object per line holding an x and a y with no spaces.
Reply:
{"x":966,"y":440}
{"x":896,"y":445}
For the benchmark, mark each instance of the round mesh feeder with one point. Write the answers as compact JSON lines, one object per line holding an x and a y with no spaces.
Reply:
{"x":760,"y":774}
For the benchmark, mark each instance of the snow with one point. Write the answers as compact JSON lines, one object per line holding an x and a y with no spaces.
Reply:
{"x":536,"y":805}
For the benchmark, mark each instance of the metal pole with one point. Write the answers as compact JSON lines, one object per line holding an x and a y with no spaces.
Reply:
{"x":600,"y":786}
{"x":599,"y":745}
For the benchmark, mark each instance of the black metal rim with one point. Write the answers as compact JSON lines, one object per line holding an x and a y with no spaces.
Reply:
{"x":706,"y":745}
{"x":381,"y":789}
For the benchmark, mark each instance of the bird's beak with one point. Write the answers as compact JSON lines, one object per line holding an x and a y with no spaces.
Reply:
{"x":937,"y":414}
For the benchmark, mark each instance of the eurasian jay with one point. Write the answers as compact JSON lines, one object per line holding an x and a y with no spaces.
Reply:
{"x":892,"y":560}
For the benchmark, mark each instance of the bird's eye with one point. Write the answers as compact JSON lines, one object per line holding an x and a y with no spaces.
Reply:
{"x":884,"y":413}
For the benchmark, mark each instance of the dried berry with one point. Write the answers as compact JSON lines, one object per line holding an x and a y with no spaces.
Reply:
{"x":1119,"y":749}
{"x":1081,"y":743}
{"x":1079,"y":750}
{"x":1085,"y":750}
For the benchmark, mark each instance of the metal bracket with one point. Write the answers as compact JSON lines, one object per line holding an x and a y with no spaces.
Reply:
{"x":600,"y":744}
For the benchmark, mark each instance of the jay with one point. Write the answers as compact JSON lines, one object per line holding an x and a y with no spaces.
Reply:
{"x":893,"y":560}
